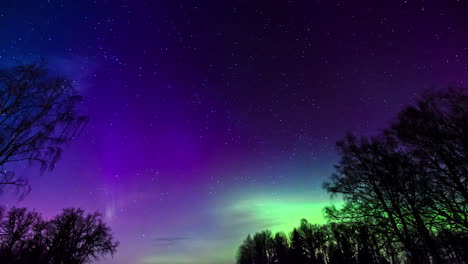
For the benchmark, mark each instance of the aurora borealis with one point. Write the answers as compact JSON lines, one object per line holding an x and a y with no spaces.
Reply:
{"x":210,"y":120}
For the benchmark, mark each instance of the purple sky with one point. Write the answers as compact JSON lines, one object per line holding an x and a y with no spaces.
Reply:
{"x":213,"y":119}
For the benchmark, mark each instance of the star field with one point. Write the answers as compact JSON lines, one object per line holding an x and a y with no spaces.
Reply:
{"x":210,"y":120}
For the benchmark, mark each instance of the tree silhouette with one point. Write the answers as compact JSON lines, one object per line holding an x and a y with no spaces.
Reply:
{"x":79,"y":238}
{"x":379,"y":183}
{"x":37,"y":116}
{"x":71,"y":237}
{"x":297,"y":252}
{"x":245,"y":253}
{"x":15,"y":230}
{"x":310,"y":244}
{"x":435,"y":133}
{"x":258,"y":249}
{"x":405,"y":192}
{"x":280,"y":249}
{"x":313,"y":241}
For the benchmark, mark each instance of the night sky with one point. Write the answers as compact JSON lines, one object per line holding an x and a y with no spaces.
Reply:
{"x":210,"y":120}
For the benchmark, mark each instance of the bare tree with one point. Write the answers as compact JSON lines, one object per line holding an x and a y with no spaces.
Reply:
{"x":15,"y":231}
{"x":405,"y":192}
{"x":245,"y":252}
{"x":435,"y":133}
{"x":37,"y":117}
{"x":77,"y":238}
{"x":259,"y":249}
{"x":281,"y":248}
{"x":71,"y":237}
{"x":409,"y":183}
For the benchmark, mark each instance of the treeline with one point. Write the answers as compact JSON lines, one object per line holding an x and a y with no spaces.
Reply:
{"x":405,"y":195}
{"x":337,"y":243}
{"x":71,"y":237}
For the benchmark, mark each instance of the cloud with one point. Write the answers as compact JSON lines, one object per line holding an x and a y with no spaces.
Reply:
{"x":169,"y":240}
{"x":167,"y":243}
